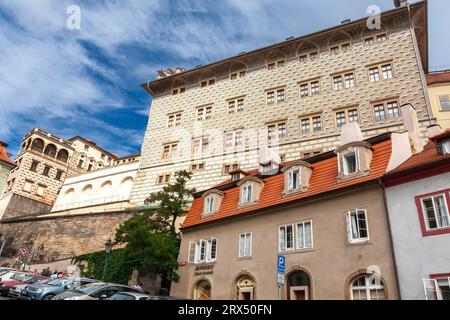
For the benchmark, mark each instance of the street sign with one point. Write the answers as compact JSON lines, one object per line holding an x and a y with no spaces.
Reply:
{"x":280,"y":280}
{"x":281,"y":264}
{"x":23,"y":252}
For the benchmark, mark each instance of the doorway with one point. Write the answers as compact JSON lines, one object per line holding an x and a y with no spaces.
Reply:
{"x":245,"y":288}
{"x":298,"y":286}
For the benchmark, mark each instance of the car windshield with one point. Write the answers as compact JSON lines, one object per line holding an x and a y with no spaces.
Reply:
{"x":21,"y":277}
{"x":89,"y":288}
{"x":57,"y":282}
{"x":5,"y":271}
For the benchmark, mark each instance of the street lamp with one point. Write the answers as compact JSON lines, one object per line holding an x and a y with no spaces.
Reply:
{"x":108,"y":249}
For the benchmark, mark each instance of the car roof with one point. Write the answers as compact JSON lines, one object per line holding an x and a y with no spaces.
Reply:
{"x":135,"y":294}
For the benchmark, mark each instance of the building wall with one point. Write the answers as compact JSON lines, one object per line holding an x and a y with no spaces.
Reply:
{"x":417,"y":257}
{"x":408,"y":86}
{"x":331,"y":263}
{"x":62,"y":236}
{"x":14,"y":205}
{"x":92,"y":156}
{"x":107,"y":185}
{"x":442,"y":116}
{"x":4,"y":173}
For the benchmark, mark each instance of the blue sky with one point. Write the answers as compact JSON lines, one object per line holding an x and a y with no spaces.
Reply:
{"x":86,"y":82}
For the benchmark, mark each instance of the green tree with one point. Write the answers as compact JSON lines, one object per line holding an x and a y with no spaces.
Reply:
{"x":151,"y":239}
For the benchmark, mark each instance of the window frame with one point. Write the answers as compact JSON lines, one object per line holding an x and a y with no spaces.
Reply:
{"x":172,"y":119}
{"x":303,"y":222}
{"x":342,"y":84}
{"x":440,"y":102}
{"x":426,"y":232}
{"x":249,"y":255}
{"x":351,"y":240}
{"x":292,"y":225}
{"x":171,"y":155}
{"x":379,"y":71}
{"x":276,"y":96}
{"x":346,"y":112}
{"x":276,"y":130}
{"x":164,"y":178}
{"x":310,"y":118}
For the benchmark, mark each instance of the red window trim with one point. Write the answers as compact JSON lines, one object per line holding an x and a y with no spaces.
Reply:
{"x":440,"y":276}
{"x":423,"y":225}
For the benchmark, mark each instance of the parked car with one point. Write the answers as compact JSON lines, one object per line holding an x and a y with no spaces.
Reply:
{"x":95,"y":291}
{"x":51,"y":289}
{"x":14,"y":278}
{"x":15,"y":290}
{"x":9,"y":274}
{"x":130,"y":296}
{"x":4,"y":270}
{"x":17,"y":279}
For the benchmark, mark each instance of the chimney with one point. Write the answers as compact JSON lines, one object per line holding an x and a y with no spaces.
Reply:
{"x":411,"y":123}
{"x":351,"y":132}
{"x":434,"y":130}
{"x":400,"y":3}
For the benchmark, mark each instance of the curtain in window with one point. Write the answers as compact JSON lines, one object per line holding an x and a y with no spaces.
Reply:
{"x":441,"y":212}
{"x":308,"y":233}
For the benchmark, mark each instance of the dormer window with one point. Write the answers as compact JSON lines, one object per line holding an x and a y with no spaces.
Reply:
{"x":350,"y":162}
{"x":445,"y":146}
{"x":354,"y":160}
{"x":250,"y":190}
{"x":209,"y":205}
{"x":296,"y":177}
{"x":293,"y":179}
{"x":235,"y":176}
{"x":212,"y":199}
{"x":247,"y":193}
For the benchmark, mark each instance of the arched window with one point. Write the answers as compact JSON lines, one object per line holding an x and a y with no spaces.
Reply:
{"x":298,"y":286}
{"x":202,"y":290}
{"x":87,"y":188}
{"x":63,"y":155}
{"x":50,"y":150}
{"x":368,"y":287}
{"x":69,"y":192}
{"x":37,"y":145}
{"x":106,"y":184}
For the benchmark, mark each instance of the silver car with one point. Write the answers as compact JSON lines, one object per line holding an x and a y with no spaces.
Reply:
{"x":94,"y":291}
{"x":130,"y":296}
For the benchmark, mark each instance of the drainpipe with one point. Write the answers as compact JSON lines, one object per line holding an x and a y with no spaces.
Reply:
{"x":391,"y":241}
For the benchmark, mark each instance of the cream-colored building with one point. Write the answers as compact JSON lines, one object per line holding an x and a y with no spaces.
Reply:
{"x":439,"y":93}
{"x":293,"y":96}
{"x":42,"y":164}
{"x":101,"y":190}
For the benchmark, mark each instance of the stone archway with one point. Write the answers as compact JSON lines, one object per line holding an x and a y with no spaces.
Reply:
{"x":202,"y":290}
{"x":244,"y":287}
{"x":298,"y":285}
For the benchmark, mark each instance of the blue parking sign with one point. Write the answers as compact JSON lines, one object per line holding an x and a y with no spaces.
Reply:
{"x":281,"y":264}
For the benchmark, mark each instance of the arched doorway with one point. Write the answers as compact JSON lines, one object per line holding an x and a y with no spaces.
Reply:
{"x":298,"y":286}
{"x":245,"y":287}
{"x":202,"y":290}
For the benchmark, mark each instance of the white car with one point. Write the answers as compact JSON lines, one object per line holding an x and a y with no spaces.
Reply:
{"x":8,"y":275}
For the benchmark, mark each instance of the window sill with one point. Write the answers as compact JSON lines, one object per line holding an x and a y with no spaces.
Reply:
{"x":356,"y":243}
{"x":247,"y":205}
{"x":297,"y":251}
{"x":344,"y":178}
{"x":245,"y":258}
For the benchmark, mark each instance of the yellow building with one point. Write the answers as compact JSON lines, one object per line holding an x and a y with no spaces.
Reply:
{"x":439,"y":93}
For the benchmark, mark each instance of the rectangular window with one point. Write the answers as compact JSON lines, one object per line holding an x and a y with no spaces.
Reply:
{"x":245,"y":245}
{"x":231,"y":106}
{"x":350,"y":163}
{"x":41,"y":190}
{"x":303,"y":58}
{"x":163,"y":179}
{"x":235,"y":105}
{"x":317,"y":123}
{"x":169,"y":151}
{"x":337,"y":83}
{"x":334,"y":50}
{"x":239,"y":140}
{"x":352,"y":115}
{"x":27,"y":186}
{"x":305,"y":125}
{"x":59,"y":175}
{"x":381,"y":37}
{"x":271,"y":132}
{"x":191,"y":253}
{"x":282,"y":130}
{"x":204,"y":113}
{"x":313,"y":55}
{"x":280,"y":95}
{"x":202,"y":251}
{"x":208,"y":82}
{"x":286,"y":238}
{"x":304,"y":235}
{"x":294,"y":181}
{"x":176,"y":91}
{"x":379,"y":112}
{"x":345,"y":46}
{"x":357,"y":226}
{"x":435,"y":210}
{"x":240,"y":105}
{"x":229,"y":138}
{"x":247,"y":193}
{"x":276,"y":64}
{"x":173,"y":120}
{"x":211,"y":250}
{"x":197,"y":167}
{"x":276,"y":130}
{"x":34,"y":166}
{"x":340,"y":119}
{"x":386,"y":69}
{"x":46,"y":171}
{"x":304,"y":90}
{"x":393,"y":110}
{"x":271,"y":97}
{"x":349,"y":80}
{"x":374,"y":74}
{"x":227,"y":168}
{"x":315,"y":89}
{"x":369,"y":41}
{"x":444,"y":101}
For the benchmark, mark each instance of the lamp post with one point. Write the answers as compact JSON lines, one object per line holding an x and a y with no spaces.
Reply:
{"x":108,"y":249}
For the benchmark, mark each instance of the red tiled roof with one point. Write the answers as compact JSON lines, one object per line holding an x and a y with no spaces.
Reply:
{"x":4,"y":155}
{"x":438,"y":77}
{"x":323,"y":179}
{"x":428,"y":156}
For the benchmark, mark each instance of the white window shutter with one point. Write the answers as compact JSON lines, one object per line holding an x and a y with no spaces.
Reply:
{"x":349,"y":226}
{"x":191,"y":254}
{"x":339,"y":163}
{"x":208,"y":250}
{"x":357,"y":160}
